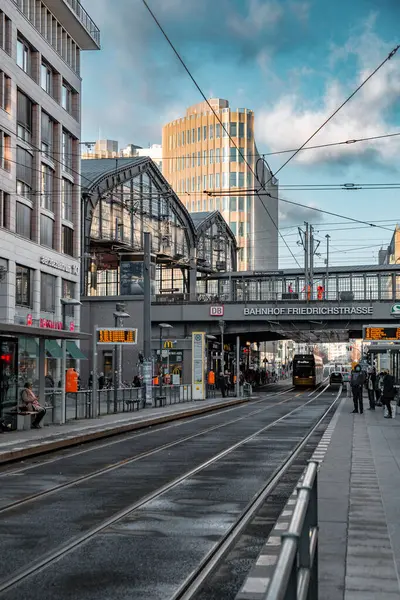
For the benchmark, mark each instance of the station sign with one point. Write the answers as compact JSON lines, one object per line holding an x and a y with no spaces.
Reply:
{"x":381,"y":333}
{"x":309,"y":310}
{"x":216,"y":310}
{"x":118,"y":336}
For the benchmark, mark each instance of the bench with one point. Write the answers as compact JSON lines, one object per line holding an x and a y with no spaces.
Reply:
{"x":24,"y":419}
{"x":160,"y":401}
{"x":131,"y":404}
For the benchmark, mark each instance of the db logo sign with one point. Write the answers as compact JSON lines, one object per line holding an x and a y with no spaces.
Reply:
{"x":216,"y":311}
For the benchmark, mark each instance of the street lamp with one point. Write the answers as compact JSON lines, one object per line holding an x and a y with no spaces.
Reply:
{"x":119,"y":314}
{"x":160,"y":369}
{"x":64,"y":303}
{"x":221,"y":324}
{"x":248,"y":344}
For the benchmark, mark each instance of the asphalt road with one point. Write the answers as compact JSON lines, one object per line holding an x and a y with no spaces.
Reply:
{"x":149,"y":553}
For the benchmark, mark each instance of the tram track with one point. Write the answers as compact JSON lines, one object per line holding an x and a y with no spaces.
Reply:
{"x":38,"y":566}
{"x":15,"y":504}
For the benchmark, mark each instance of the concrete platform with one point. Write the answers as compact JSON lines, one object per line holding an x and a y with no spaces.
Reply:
{"x":359,"y":508}
{"x":21,"y":444}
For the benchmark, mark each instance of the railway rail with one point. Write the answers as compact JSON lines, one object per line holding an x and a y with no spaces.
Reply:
{"x":110,"y":529}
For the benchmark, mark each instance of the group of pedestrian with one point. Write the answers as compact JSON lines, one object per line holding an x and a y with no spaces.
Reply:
{"x":381,"y":389}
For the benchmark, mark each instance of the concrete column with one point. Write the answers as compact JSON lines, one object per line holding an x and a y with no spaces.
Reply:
{"x":7,"y":292}
{"x":36,"y":294}
{"x":58,"y":312}
{"x":41,"y":369}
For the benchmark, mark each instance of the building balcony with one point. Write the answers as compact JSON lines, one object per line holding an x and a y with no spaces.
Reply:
{"x":75,"y":19}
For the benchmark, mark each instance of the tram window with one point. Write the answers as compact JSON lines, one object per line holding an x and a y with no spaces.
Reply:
{"x":304,"y":371}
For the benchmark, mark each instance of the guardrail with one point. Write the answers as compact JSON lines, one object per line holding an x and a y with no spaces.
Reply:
{"x":296,"y":573}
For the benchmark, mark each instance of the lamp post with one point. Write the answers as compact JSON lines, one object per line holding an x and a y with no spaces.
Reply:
{"x":248,"y":344}
{"x":221,"y":324}
{"x":119,"y":314}
{"x":64,"y":303}
{"x":160,"y":369}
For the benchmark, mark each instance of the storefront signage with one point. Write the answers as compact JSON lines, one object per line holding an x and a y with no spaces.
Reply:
{"x":49,"y":323}
{"x":60,"y":266}
{"x":309,"y":310}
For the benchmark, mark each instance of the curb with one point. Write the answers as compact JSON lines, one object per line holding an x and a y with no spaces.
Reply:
{"x":75,"y":439}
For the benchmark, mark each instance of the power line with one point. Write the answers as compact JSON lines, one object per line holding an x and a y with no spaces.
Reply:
{"x":216,"y":116}
{"x":389,"y":56}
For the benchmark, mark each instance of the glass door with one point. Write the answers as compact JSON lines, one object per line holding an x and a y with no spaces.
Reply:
{"x":8,"y":375}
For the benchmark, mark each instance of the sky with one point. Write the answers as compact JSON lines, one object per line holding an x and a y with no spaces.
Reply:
{"x":291,"y":61}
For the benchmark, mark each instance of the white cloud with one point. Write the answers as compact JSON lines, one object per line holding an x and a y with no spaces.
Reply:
{"x":261,"y":15}
{"x":293,"y":118}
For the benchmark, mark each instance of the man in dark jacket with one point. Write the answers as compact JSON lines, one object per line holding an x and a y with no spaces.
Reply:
{"x":357,"y":381}
{"x":388,"y":393}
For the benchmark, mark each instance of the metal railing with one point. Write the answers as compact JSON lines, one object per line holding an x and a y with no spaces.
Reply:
{"x":85,"y":20}
{"x":296,"y":573}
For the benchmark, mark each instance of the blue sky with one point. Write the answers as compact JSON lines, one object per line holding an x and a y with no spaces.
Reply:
{"x":293,"y":62}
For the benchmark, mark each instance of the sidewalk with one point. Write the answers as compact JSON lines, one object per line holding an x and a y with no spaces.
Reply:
{"x":21,"y":444}
{"x":359,"y":508}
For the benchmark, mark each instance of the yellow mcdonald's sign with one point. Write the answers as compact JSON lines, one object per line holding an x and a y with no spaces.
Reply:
{"x":168,"y":344}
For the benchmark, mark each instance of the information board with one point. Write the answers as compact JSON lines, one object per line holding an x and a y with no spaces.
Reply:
{"x":198,"y":365}
{"x":117,"y":336}
{"x":380,"y":333}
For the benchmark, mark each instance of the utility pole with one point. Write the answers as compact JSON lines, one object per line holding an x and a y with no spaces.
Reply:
{"x":327,"y":265}
{"x":311,"y":261}
{"x":306,"y":253}
{"x":147,"y":358}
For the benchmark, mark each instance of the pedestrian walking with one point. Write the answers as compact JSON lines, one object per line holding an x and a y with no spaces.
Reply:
{"x":388,"y":393}
{"x":371,"y":381}
{"x":357,"y":383}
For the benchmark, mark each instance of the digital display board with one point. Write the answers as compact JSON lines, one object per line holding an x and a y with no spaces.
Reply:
{"x":117,"y":335}
{"x":382,"y":333}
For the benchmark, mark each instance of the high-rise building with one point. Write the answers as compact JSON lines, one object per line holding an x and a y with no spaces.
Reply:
{"x":199,"y":156}
{"x":40,"y":200}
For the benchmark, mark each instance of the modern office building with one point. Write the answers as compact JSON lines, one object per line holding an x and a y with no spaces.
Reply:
{"x":199,"y":156}
{"x":391,"y":254}
{"x":154,"y":152}
{"x":40,"y":201}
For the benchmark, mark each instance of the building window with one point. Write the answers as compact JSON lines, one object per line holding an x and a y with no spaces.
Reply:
{"x":233,"y":129}
{"x":67,"y":240}
{"x":211,"y":181}
{"x":249,"y":179}
{"x":23,"y":220}
{"x":217,"y":155}
{"x":198,"y":134}
{"x":241,"y":155}
{"x":5,"y":150}
{"x":204,"y":132}
{"x":46,"y":231}
{"x":5,"y":92}
{"x":241,"y":180}
{"x":204,"y":182}
{"x":5,"y":32}
{"x":193,"y":184}
{"x":241,"y":203}
{"x":198,"y":159}
{"x":47,"y":292}
{"x":193,"y":136}
{"x":225,"y":180}
{"x":47,"y":128}
{"x":24,"y":172}
{"x":188,"y":184}
{"x":232,"y":204}
{"x":225,"y":151}
{"x":249,"y":132}
{"x":211,"y":156}
{"x":23,"y":55}
{"x":66,"y":97}
{"x":46,"y":78}
{"x":46,"y":198}
{"x":193,"y":159}
{"x":241,"y":229}
{"x":217,"y":181}
{"x":4,"y":210}
{"x":198,"y":183}
{"x":183,"y":138}
{"x":241,"y":130}
{"x":232,"y":179}
{"x":232,"y":155}
{"x":23,"y":296}
{"x":218,"y":130}
{"x":67,"y":151}
{"x":24,"y":117}
{"x":204,"y":157}
{"x":211,"y":132}
{"x":233,"y":227}
{"x":68,"y":289}
{"x":66,"y":199}
{"x":211,"y":204}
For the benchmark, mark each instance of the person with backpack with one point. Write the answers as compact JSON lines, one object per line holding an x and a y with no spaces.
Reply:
{"x":357,"y":382}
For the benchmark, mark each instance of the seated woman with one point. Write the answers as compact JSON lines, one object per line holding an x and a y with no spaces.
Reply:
{"x":31,"y":404}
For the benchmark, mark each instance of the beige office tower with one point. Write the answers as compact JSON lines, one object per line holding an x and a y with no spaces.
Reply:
{"x":199,"y":156}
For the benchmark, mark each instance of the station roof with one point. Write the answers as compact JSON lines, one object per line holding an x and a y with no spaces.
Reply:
{"x":204,"y":220}
{"x":94,"y":169}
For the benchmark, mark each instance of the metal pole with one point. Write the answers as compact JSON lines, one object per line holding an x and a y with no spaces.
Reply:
{"x":63,"y":368}
{"x":311,"y":261}
{"x":222,"y":329}
{"x":327,"y":265}
{"x":115,"y":371}
{"x":306,"y":260}
{"x":160,"y":370}
{"x":93,"y":411}
{"x":146,"y":309}
{"x":237,"y":366}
